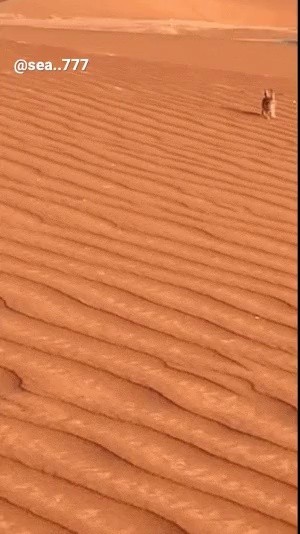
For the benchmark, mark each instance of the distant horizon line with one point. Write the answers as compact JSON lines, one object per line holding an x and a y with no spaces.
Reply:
{"x":172,"y":24}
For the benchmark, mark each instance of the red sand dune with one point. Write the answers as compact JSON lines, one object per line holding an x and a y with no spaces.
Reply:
{"x":147,"y":287}
{"x":245,"y":12}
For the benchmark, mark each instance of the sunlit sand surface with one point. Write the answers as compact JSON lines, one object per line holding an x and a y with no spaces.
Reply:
{"x":147,"y":286}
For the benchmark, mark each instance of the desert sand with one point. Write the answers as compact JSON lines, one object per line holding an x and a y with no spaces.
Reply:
{"x":254,"y":12}
{"x":147,"y":280}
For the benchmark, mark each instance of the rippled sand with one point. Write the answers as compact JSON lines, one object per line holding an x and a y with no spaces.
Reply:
{"x":148,"y":291}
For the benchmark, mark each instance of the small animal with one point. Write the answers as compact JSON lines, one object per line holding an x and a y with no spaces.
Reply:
{"x":268,"y":104}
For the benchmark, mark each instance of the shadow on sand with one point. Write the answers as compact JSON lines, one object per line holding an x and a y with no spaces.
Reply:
{"x":243,"y":111}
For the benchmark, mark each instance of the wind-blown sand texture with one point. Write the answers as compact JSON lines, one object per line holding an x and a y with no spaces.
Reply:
{"x":148,"y":292}
{"x":254,"y":12}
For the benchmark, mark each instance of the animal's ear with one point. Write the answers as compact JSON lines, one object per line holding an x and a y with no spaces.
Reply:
{"x":266,"y":93}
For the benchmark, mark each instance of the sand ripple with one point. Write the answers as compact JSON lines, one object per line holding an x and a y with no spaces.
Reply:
{"x":148,"y":304}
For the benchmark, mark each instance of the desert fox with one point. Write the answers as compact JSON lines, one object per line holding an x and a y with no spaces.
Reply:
{"x":268,"y":104}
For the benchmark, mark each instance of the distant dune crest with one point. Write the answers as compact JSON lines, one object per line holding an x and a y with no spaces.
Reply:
{"x":254,"y":12}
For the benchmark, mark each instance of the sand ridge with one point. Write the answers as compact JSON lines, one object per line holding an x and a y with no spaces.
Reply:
{"x":147,"y":296}
{"x":254,"y":13}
